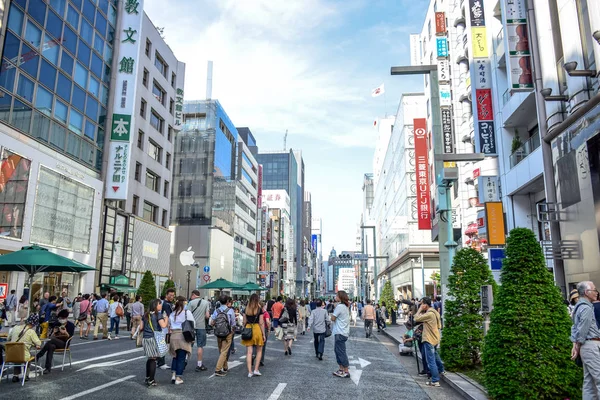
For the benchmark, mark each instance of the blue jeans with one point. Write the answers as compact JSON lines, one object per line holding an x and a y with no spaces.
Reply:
{"x":319,"y":342}
{"x":114,"y":323}
{"x":340,"y":350}
{"x":178,"y":363}
{"x":434,"y":362}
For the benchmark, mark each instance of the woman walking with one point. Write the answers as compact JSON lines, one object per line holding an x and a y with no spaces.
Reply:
{"x":152,"y":321}
{"x":302,"y":317}
{"x":115,"y":316}
{"x":23,"y":309}
{"x":178,"y":347}
{"x":354,"y":312}
{"x":289,"y":315}
{"x":341,"y":331}
{"x":253,"y":319}
{"x":318,"y":321}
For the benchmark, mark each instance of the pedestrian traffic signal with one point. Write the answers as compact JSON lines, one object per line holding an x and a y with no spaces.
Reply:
{"x":345,"y":257}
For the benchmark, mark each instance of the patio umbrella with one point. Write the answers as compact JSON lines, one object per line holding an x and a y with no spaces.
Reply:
{"x":251,"y":287}
{"x":35,"y":259}
{"x":221,"y":284}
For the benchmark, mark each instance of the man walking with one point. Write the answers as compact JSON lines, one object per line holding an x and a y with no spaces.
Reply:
{"x":199,"y":309}
{"x":137,"y":311}
{"x":223,"y":323}
{"x":101,"y":317}
{"x":431,"y":338}
{"x":318,"y":321}
{"x":369,"y":317}
{"x":585,"y":336}
{"x":11,"y":309}
{"x":277,"y":310}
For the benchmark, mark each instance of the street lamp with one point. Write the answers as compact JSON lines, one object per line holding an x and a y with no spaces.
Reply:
{"x":445,"y":176}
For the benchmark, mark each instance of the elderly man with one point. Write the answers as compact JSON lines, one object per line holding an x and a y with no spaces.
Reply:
{"x":585,"y":336}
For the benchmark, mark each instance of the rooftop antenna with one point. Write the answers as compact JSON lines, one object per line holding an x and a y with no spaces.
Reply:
{"x":285,"y":140}
{"x":209,"y":79}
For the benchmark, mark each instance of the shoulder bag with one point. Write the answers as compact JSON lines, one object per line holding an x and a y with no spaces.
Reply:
{"x":159,"y":337}
{"x":327,"y":327}
{"x":188,"y":329}
{"x":247,"y":332}
{"x":83,"y":314}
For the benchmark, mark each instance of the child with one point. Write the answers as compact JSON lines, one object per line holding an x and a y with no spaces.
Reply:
{"x":406,"y":348}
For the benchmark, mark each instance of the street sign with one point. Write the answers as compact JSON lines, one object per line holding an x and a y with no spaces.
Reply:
{"x":3,"y":290}
{"x":206,"y":269}
{"x":361,"y":257}
{"x":206,"y":278}
{"x":496,"y":256}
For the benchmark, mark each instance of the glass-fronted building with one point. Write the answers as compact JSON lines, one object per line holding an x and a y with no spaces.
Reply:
{"x":55,"y":73}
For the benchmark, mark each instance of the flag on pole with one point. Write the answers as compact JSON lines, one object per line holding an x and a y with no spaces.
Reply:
{"x":378,"y":91}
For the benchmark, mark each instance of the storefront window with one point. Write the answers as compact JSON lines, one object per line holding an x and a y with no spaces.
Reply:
{"x":62,"y":214}
{"x":14,"y":178}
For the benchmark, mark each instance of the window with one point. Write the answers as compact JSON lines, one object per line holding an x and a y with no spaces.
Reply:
{"x":170,"y":134}
{"x":165,"y":222}
{"x":143,"y":108}
{"x":152,"y":181}
{"x":166,"y":189}
{"x":173,"y":79}
{"x":154,"y":150}
{"x":140,"y":143}
{"x":156,"y":121}
{"x":150,"y":211}
{"x":171,"y":106}
{"x":160,"y":64}
{"x":168,"y":161}
{"x":145,"y":77}
{"x":148,"y":47}
{"x":135,"y":205}
{"x":159,"y":93}
{"x":138,"y":171}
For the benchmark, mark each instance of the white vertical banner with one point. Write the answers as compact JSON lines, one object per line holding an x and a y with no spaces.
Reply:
{"x":128,"y":41}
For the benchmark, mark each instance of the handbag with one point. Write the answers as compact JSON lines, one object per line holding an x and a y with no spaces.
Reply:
{"x":247,"y":333}
{"x":285,"y":317}
{"x":188,"y":330}
{"x":327,"y":327}
{"x":159,"y":338}
{"x":83,"y":315}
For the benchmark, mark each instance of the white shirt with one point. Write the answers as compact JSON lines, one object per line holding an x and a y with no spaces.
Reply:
{"x":177,"y":319}
{"x":341,"y":325}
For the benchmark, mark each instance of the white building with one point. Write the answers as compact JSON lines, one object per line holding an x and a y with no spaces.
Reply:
{"x":347,"y":281}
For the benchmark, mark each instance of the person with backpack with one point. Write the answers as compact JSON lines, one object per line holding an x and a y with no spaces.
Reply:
{"x":318,"y":322}
{"x":115,"y":311}
{"x":289,"y":321}
{"x":179,"y":347}
{"x":223,"y":321}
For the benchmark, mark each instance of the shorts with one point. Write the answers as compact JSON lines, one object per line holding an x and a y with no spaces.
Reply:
{"x":87,"y":320}
{"x":200,"y":337}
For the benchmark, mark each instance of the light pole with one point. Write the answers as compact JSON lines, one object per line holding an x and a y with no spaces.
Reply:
{"x":445,"y":174}
{"x":375,"y":270}
{"x":189,"y":272}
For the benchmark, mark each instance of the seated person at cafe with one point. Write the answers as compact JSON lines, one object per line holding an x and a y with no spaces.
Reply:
{"x":61,"y":331}
{"x":25,"y":334}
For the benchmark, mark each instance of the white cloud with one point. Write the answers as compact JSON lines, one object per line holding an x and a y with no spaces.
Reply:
{"x":271,"y":69}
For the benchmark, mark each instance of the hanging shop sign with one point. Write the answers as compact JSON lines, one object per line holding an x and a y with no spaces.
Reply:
{"x":442,"y":47}
{"x":445,"y":96}
{"x":485,"y":111}
{"x":443,"y":67}
{"x":485,"y":139}
{"x":479,"y":39}
{"x":476,"y":12}
{"x":519,"y":54}
{"x":496,"y":233}
{"x":487,"y":186}
{"x":422,"y":172}
{"x":447,"y":130}
{"x":440,"y":23}
{"x":483,"y":77}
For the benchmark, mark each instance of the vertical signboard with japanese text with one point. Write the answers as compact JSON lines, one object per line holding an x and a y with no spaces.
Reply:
{"x":440,"y":23}
{"x":447,"y":130}
{"x":128,"y":40}
{"x":422,"y":172}
{"x":519,"y":55}
{"x":494,"y":215}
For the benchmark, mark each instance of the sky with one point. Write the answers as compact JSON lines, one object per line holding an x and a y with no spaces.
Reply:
{"x":307,"y":66}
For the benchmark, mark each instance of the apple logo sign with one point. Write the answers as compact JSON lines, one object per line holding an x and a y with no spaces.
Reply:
{"x":187,"y":257}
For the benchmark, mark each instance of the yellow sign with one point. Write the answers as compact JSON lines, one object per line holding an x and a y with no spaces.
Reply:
{"x":449,"y":164}
{"x":494,"y":215}
{"x":479,"y":39}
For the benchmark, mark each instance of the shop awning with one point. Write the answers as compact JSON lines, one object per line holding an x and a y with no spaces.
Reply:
{"x":118,"y":288}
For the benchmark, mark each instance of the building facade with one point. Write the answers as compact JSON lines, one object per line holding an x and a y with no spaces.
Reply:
{"x":278,"y":243}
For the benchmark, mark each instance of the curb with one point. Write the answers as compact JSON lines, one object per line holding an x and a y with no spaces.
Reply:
{"x":467,"y":389}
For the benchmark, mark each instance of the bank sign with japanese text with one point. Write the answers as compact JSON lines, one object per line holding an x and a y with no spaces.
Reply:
{"x":422,"y":172}
{"x":128,"y":40}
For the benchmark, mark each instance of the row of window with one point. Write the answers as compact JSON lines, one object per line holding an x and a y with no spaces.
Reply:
{"x":244,"y":207}
{"x":160,"y":63}
{"x":156,"y":120}
{"x":150,"y":212}
{"x":247,"y":243}
{"x":153,"y":150}
{"x":152,"y":181}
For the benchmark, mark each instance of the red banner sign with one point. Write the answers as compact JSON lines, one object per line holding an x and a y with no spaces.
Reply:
{"x":485,"y":111}
{"x":440,"y":22}
{"x":422,"y":173}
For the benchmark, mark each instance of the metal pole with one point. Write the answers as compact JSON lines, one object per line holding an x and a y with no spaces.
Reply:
{"x":550,"y":188}
{"x":423,"y":274}
{"x":367,"y":281}
{"x":375,"y":269}
{"x":189,"y":272}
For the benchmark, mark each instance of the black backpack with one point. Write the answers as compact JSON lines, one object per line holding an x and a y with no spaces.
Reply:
{"x":222,"y":325}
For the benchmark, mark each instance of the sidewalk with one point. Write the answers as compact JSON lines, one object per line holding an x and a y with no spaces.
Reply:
{"x":465,"y":386}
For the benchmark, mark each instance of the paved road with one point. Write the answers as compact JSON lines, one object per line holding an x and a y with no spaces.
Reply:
{"x":116,"y":369}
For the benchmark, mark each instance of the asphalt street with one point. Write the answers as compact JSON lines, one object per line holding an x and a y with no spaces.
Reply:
{"x":116,"y":369}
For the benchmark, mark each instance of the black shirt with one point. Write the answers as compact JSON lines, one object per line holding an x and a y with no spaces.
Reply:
{"x":167,"y":308}
{"x":148,"y":332}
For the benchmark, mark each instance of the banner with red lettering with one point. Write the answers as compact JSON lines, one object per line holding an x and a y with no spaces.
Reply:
{"x":422,"y":173}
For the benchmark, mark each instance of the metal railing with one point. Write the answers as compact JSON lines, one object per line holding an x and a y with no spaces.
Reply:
{"x":526,"y":149}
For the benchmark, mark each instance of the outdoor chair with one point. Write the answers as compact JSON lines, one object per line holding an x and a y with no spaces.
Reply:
{"x":64,"y":352}
{"x":15,"y":357}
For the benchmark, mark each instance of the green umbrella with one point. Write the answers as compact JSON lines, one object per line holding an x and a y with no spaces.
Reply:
{"x":221,"y":284}
{"x":251,"y":287}
{"x":35,"y":259}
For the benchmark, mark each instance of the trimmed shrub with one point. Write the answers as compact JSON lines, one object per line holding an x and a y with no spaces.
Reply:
{"x":147,"y":289}
{"x":462,"y":340}
{"x":527,"y":351}
{"x":387,"y":297}
{"x":168,"y":284}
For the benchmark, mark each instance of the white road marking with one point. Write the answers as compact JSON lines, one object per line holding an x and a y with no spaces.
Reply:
{"x":104,"y":357}
{"x":277,"y":392}
{"x":109,"y":363}
{"x":85,"y":393}
{"x":363,"y":363}
{"x":355,"y":374}
{"x":231,"y":365}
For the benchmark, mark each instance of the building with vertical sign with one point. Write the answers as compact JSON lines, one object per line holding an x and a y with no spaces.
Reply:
{"x":55,"y":84}
{"x":145,"y":114}
{"x":401,"y":203}
{"x":281,"y":268}
{"x":317,"y":246}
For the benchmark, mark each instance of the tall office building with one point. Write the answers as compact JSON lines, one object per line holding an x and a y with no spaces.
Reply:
{"x":317,"y":246}
{"x":55,"y":81}
{"x":284,"y":170}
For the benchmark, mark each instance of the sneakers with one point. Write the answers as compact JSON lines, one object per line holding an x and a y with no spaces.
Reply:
{"x":339,"y":373}
{"x":164,"y":366}
{"x":434,"y":384}
{"x":257,"y":373}
{"x":250,"y":375}
{"x":202,"y":368}
{"x":178,"y":381}
{"x":422,"y":373}
{"x":220,"y":373}
{"x":109,"y":338}
{"x":116,"y":337}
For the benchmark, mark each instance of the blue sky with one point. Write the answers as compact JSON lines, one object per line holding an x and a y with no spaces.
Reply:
{"x":307,"y":66}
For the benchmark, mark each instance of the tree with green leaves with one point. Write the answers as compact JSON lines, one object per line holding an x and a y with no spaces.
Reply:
{"x":147,"y":289}
{"x":387,"y":297}
{"x":168,"y":284}
{"x":527,"y":351}
{"x":463,"y":322}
